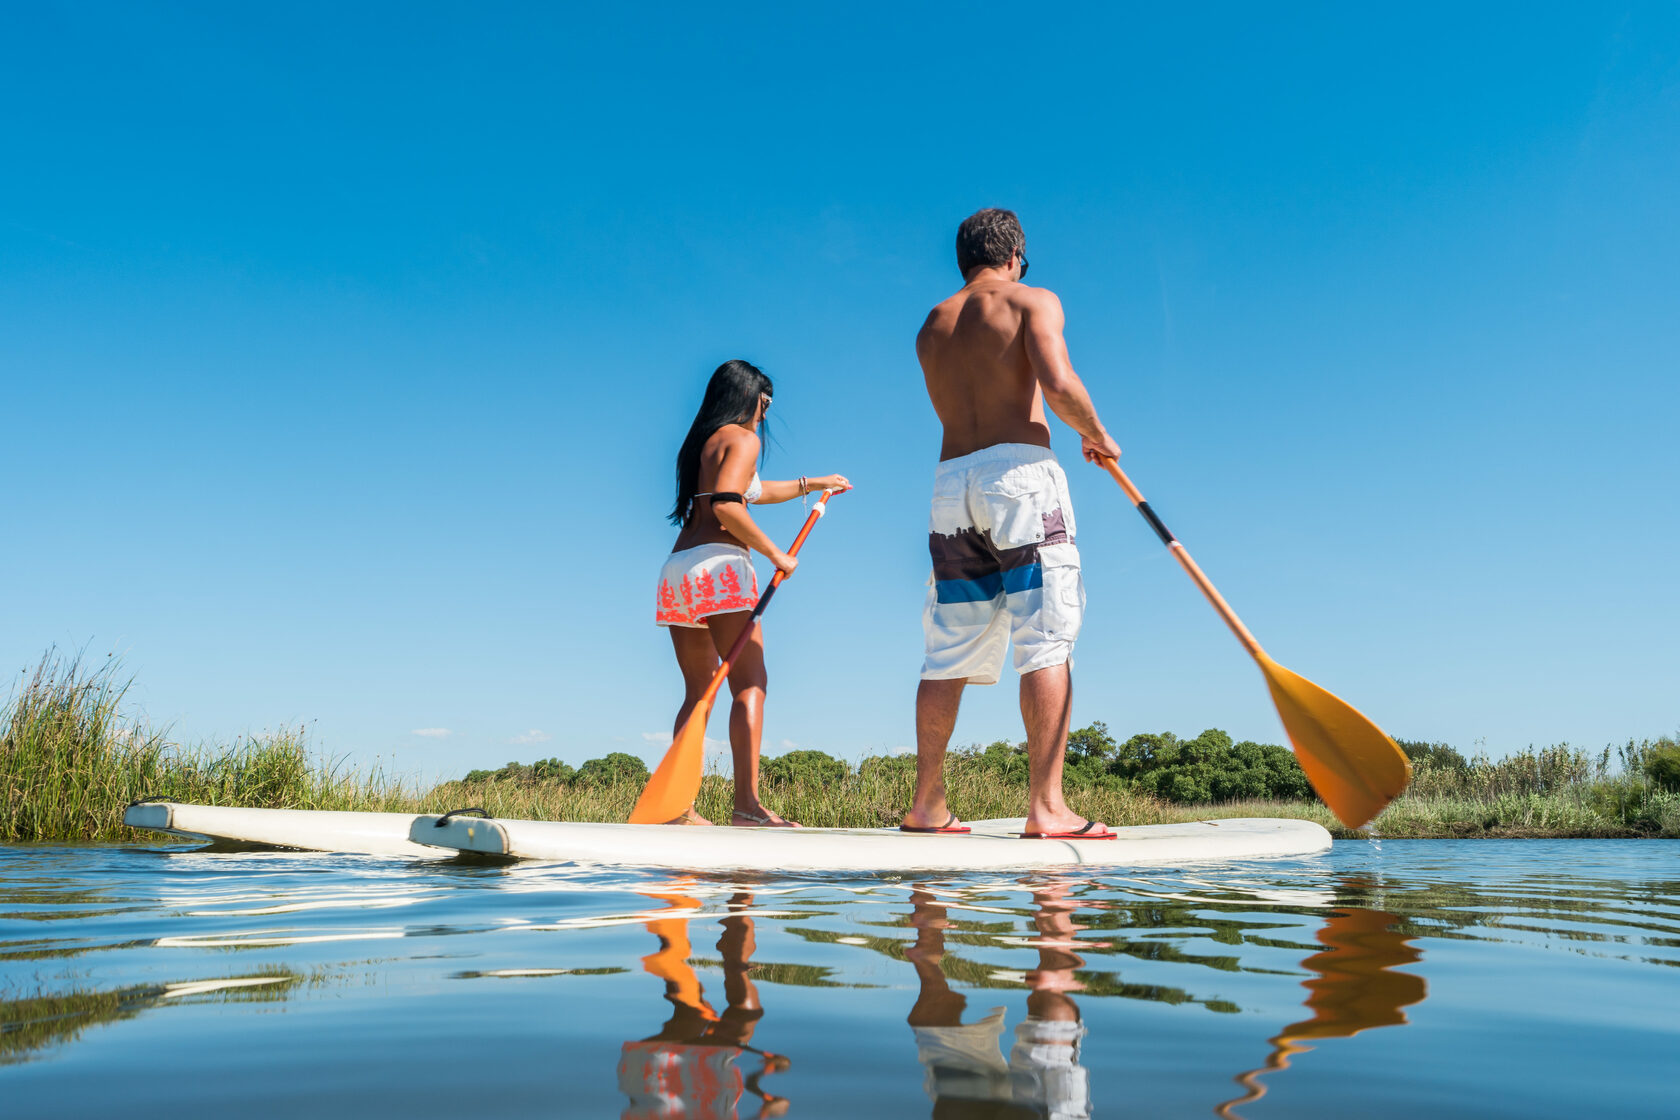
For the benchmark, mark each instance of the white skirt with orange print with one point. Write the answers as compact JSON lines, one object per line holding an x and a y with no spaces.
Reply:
{"x":705,"y":580}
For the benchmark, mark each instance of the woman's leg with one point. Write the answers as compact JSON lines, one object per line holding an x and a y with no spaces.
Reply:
{"x":698,"y":660}
{"x":747,"y":681}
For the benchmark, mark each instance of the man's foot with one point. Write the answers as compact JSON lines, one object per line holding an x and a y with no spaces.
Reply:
{"x":1088,"y":830}
{"x":759,"y":817}
{"x":690,"y":817}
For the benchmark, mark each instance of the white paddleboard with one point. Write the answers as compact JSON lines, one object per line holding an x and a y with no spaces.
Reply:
{"x":993,"y":845}
{"x":384,"y":834}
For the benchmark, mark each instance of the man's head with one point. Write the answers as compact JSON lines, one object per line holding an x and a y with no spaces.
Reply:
{"x":989,"y":238}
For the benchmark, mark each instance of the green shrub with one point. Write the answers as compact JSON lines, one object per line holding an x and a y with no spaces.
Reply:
{"x":615,"y":768}
{"x":1438,"y":756}
{"x":542,"y":770}
{"x":1209,"y":768}
{"x":1662,"y":766}
{"x":813,"y":767}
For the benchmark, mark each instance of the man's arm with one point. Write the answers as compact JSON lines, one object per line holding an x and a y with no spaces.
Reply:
{"x":1064,"y":392}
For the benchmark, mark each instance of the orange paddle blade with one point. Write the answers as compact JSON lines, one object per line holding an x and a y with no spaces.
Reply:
{"x":676,"y":783}
{"x":1353,"y":765}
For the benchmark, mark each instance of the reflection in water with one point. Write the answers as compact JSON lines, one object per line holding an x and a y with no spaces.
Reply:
{"x":1352,"y":990}
{"x":32,"y":1024}
{"x":967,"y":1076}
{"x":689,"y":1068}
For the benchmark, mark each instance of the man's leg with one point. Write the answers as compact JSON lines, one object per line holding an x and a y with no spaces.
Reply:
{"x":1046,"y":706}
{"x":936,"y":717}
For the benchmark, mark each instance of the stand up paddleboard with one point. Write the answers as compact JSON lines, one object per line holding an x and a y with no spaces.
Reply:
{"x":379,"y":834}
{"x":992,"y":846}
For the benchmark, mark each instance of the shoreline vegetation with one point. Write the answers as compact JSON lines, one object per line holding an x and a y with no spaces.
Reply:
{"x":72,"y":757}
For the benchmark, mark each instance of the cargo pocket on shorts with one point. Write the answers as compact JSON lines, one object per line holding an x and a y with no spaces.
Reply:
{"x":1064,"y":592}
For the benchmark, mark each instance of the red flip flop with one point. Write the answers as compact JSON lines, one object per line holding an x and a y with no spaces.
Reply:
{"x":1077,"y":834}
{"x":949,"y":828}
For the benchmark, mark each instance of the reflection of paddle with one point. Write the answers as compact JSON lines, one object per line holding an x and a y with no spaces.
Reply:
{"x":1352,"y":990}
{"x":673,"y":787}
{"x":1354,"y":767}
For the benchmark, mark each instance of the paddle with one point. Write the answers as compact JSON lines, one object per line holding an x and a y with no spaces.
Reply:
{"x":671,"y":790}
{"x":1354,"y":767}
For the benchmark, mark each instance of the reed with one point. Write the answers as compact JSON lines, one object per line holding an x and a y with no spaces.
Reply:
{"x":72,"y":757}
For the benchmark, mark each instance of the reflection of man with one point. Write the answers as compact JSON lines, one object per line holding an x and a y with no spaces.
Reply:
{"x":967,"y":1076}
{"x":688,"y":1070}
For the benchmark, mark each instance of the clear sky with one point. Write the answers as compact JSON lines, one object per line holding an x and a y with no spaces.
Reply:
{"x":345,"y":351}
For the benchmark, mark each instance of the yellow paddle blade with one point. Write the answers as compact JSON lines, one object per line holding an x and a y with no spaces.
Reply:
{"x":673,"y":787}
{"x":1350,"y":762}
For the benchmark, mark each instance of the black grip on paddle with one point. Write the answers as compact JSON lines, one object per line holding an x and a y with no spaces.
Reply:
{"x":1155,"y":523}
{"x":763,"y":601}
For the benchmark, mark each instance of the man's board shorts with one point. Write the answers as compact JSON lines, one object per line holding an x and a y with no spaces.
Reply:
{"x":1042,"y":1078}
{"x":705,"y":580}
{"x":1005,"y":566}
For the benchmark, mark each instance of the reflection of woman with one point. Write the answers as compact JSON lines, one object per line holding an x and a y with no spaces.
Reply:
{"x":708,"y":587}
{"x":688,"y":1070}
{"x":966,"y":1073}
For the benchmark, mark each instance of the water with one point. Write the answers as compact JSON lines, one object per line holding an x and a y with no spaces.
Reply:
{"x":1482,"y":978}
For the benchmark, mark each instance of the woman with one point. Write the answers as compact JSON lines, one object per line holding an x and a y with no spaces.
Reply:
{"x":708,"y":587}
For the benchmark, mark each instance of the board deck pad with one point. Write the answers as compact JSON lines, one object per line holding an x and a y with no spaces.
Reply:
{"x":993,"y":845}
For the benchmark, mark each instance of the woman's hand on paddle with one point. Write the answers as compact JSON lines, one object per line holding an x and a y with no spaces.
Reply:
{"x":836,"y":482}
{"x":784,"y":563}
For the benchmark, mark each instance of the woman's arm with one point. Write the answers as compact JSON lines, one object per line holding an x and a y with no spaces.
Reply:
{"x":786,"y":491}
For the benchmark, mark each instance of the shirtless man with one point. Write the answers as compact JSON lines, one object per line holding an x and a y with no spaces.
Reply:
{"x":1002,"y":532}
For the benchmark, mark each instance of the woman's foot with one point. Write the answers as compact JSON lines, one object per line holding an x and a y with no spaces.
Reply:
{"x":690,"y":817}
{"x":757,"y":816}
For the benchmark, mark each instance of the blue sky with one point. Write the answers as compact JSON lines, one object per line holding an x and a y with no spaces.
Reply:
{"x":344,"y":355}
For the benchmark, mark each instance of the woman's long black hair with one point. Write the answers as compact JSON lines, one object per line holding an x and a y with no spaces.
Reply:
{"x":731,"y":398}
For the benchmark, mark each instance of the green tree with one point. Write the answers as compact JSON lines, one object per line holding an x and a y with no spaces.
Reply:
{"x":1093,"y":743}
{"x":615,"y":767}
{"x":811,"y":767}
{"x":1662,"y":766}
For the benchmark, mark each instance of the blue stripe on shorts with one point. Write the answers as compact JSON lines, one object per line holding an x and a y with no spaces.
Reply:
{"x":988,"y":587}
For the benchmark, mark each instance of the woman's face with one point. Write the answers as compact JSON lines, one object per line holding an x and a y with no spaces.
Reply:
{"x":763,"y":407}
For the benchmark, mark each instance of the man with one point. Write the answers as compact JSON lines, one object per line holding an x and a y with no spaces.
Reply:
{"x":1001,"y":534}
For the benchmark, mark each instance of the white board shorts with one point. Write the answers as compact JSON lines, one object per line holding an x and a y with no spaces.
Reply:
{"x":708,"y":579}
{"x":1005,"y":565}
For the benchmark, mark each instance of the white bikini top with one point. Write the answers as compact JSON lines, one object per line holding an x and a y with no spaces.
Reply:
{"x":753,"y":492}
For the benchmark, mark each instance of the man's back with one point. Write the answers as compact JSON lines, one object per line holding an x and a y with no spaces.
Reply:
{"x":980,"y":377}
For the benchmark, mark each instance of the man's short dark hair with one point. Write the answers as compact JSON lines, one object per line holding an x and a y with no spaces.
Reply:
{"x":987,"y":239}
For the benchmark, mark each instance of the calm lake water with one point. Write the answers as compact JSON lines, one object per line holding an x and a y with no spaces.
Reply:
{"x":1474,"y":978}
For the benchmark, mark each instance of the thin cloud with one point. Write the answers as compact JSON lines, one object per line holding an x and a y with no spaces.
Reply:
{"x":432,"y":732}
{"x":534,"y":735}
{"x":663,"y":738}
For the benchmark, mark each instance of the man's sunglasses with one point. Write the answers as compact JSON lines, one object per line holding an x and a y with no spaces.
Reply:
{"x":1023,"y":256}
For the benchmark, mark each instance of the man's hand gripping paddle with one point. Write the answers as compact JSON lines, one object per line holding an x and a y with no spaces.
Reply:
{"x":1354,"y":766}
{"x":672,"y":789}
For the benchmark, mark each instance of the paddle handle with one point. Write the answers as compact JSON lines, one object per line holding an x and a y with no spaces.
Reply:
{"x":1182,"y":555}
{"x":764,"y":600}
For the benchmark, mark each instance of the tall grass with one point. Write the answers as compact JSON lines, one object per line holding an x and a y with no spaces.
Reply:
{"x":72,"y":757}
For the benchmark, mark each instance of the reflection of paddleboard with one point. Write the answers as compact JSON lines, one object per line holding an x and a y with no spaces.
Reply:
{"x":992,"y":845}
{"x":315,"y":830}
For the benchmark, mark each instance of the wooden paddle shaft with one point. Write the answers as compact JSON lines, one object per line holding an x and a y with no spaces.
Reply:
{"x":1182,"y":555}
{"x":763,"y":601}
